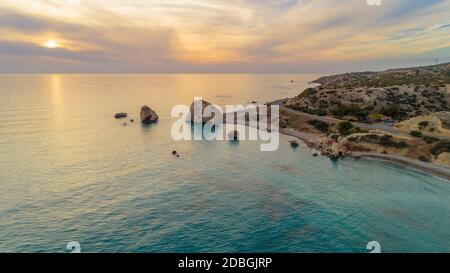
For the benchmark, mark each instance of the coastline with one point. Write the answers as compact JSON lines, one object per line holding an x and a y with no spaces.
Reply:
{"x":421,"y":167}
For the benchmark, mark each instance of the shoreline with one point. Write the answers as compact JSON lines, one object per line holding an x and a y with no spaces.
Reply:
{"x":418,"y":166}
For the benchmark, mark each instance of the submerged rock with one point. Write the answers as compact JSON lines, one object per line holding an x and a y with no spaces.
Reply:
{"x":233,"y":135}
{"x":294,"y":143}
{"x":148,"y":115}
{"x":120,"y":115}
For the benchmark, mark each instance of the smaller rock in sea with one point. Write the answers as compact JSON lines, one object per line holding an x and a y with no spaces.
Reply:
{"x":294,"y":143}
{"x":120,"y":115}
{"x":315,"y":154}
{"x":233,"y":135}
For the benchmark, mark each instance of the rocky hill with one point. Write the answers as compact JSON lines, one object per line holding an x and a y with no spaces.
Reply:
{"x":425,"y":75}
{"x":398,"y":93}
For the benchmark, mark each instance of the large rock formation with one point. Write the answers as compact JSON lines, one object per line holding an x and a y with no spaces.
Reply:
{"x":148,"y":115}
{"x":196,"y":112}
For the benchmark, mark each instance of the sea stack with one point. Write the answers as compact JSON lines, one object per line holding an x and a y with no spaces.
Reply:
{"x":148,"y":115}
{"x":196,"y":112}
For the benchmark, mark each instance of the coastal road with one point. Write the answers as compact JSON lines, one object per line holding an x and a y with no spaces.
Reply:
{"x":363,"y":126}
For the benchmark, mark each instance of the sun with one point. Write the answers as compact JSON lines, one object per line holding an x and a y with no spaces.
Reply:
{"x":51,"y":44}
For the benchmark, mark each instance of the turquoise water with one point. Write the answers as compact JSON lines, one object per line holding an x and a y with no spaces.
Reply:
{"x":70,"y":172}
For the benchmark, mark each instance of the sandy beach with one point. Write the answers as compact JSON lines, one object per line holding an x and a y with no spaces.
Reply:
{"x":423,"y":167}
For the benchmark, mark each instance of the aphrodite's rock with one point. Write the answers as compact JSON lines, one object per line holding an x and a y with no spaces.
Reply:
{"x":120,"y":115}
{"x":148,"y":115}
{"x":196,"y":112}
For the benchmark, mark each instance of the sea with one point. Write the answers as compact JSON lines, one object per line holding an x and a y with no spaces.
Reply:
{"x":71,"y":172}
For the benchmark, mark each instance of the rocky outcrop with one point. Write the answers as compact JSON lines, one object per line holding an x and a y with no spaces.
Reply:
{"x":148,"y":115}
{"x":197,"y":109}
{"x":334,"y":148}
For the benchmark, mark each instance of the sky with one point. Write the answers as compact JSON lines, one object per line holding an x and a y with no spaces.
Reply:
{"x":221,"y":36}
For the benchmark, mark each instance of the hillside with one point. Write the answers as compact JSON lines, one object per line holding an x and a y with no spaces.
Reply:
{"x":425,"y":75}
{"x":397,"y":93}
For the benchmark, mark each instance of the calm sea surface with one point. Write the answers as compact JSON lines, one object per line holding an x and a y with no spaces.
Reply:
{"x":70,"y":172}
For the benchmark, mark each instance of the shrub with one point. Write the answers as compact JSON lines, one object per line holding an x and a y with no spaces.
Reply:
{"x":319,"y":125}
{"x":351,"y":109}
{"x":345,"y":128}
{"x":416,"y":134}
{"x":400,"y":145}
{"x":339,"y":112}
{"x":321,"y":112}
{"x":423,"y":159}
{"x":385,"y":140}
{"x":430,"y":139}
{"x":442,"y":146}
{"x":392,"y":111}
{"x":376,"y":117}
{"x":423,"y":124}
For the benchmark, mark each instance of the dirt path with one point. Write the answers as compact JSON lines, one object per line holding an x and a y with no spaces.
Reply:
{"x":368,"y":127}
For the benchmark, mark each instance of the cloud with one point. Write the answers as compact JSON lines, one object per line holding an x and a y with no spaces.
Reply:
{"x":411,"y":7}
{"x":215,"y":35}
